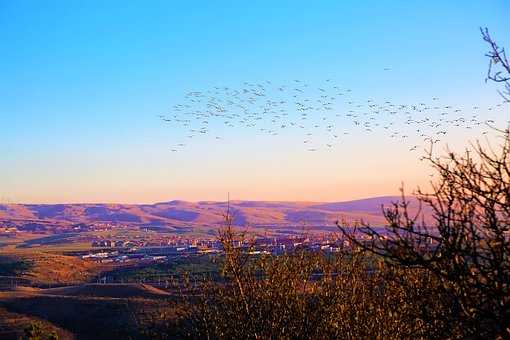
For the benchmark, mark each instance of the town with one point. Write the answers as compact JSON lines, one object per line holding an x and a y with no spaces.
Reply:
{"x":111,"y":250}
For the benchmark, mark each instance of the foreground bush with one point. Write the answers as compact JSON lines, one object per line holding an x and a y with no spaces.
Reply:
{"x":467,"y":247}
{"x":317,"y":296}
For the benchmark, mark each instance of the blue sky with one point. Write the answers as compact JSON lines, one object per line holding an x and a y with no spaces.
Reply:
{"x":83,"y":82}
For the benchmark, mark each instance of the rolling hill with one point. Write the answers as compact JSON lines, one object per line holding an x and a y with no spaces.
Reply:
{"x":175,"y":214}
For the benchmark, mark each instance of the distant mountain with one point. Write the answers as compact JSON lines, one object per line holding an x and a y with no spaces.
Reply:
{"x":205,"y":213}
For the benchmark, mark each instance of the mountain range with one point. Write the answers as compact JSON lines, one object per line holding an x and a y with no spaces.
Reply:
{"x":203,"y":214}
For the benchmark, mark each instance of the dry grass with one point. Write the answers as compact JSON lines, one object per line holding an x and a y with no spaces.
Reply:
{"x":131,"y":290}
{"x":48,"y":269}
{"x":96,"y":317}
{"x":12,"y":326}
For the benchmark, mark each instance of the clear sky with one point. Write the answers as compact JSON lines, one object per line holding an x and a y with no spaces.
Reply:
{"x":82,"y":84}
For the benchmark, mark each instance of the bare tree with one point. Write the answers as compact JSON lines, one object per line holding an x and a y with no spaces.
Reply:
{"x":467,"y":245}
{"x":497,"y":58}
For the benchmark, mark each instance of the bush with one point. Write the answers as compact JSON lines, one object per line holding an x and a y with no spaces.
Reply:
{"x":316,"y":295}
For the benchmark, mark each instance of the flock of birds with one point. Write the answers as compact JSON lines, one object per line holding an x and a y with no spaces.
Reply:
{"x":323,"y":115}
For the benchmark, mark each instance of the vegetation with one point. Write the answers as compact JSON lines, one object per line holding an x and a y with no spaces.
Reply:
{"x":12,"y":266}
{"x":36,"y":331}
{"x":314,"y":295}
{"x":468,"y":247}
{"x":151,"y":272}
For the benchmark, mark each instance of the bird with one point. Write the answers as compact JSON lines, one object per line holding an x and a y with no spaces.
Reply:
{"x":265,"y":108}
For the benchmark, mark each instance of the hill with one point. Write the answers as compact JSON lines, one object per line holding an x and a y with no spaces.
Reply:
{"x":109,"y":290}
{"x":89,"y":311}
{"x":176,"y":215}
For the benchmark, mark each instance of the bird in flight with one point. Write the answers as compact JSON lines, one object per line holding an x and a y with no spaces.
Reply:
{"x":267,"y":108}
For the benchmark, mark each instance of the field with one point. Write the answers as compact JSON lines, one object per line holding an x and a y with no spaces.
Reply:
{"x":52,"y":291}
{"x":40,"y":268}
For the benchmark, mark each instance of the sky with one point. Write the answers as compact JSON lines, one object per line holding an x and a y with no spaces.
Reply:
{"x":82,"y":85}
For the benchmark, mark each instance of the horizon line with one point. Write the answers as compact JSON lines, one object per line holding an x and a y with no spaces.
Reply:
{"x":209,"y":201}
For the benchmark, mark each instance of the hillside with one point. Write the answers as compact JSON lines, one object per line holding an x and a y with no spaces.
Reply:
{"x":177,"y":214}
